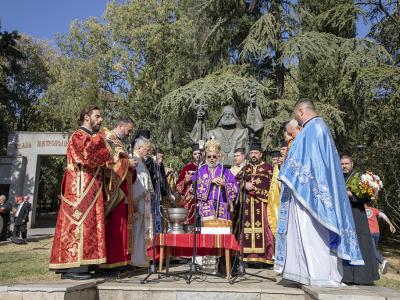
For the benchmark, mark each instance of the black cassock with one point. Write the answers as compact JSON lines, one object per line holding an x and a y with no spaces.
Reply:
{"x":364,"y":275}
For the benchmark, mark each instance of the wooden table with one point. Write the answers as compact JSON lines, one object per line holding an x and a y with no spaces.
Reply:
{"x":182,"y":245}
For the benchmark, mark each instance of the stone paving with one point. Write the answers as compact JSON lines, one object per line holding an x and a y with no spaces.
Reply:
{"x":202,"y":287}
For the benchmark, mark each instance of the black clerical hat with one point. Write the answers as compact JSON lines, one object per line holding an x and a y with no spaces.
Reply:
{"x":284,"y":143}
{"x":275,"y":153}
{"x":143,"y":133}
{"x":195,"y":147}
{"x":159,"y":151}
{"x":255,"y":146}
{"x":240,"y":150}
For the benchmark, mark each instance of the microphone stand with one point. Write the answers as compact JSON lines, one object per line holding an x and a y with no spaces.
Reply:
{"x":196,"y":225}
{"x":219,"y":191}
{"x":241,"y":269}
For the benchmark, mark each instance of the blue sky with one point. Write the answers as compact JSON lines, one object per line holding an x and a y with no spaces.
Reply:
{"x":44,"y":18}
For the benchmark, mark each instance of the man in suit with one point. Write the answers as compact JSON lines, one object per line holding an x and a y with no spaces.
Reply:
{"x":21,"y":218}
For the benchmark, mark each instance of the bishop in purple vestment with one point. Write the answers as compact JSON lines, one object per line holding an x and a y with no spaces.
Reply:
{"x":216,"y":185}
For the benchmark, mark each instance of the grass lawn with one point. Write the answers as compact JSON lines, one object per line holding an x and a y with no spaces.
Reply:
{"x":26,"y":263}
{"x":29,"y":263}
{"x":390,"y":249}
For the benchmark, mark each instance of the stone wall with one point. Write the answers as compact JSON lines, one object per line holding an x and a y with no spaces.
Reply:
{"x":22,"y":163}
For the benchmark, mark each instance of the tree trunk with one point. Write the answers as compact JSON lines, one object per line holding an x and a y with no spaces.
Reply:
{"x":279,"y":78}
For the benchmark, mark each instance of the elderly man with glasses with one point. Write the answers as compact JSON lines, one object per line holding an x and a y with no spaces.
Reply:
{"x":216,"y":185}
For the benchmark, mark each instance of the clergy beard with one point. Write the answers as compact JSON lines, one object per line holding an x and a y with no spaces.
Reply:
{"x":95,"y":127}
{"x":228,"y":121}
{"x":255,"y":161}
{"x":212,"y":165}
{"x":123,"y":137}
{"x":347,"y":174}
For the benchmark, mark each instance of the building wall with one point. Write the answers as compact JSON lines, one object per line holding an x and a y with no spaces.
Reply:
{"x":22,"y":164}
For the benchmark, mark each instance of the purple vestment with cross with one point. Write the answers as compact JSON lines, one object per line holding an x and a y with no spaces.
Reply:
{"x":209,"y":193}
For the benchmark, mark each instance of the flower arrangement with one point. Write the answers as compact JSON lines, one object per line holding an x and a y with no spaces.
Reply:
{"x":366,"y":185}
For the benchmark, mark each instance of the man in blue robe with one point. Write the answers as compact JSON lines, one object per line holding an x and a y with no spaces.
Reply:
{"x":316,"y":229}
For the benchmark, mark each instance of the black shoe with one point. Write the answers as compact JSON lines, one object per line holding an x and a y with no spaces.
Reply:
{"x":76,"y":276}
{"x":109,"y":273}
{"x":16,"y":240}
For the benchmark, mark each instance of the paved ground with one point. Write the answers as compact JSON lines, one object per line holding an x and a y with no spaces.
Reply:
{"x":36,"y":233}
{"x":202,"y":287}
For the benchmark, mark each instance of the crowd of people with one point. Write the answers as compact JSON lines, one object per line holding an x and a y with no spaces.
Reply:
{"x":294,"y":213}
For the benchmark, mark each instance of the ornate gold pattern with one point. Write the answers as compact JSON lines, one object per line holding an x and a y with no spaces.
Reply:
{"x":77,"y":214}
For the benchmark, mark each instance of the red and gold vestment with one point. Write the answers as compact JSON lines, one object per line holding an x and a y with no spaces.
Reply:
{"x":79,"y":237}
{"x":118,"y":204}
{"x":185,"y":190}
{"x":258,"y":238}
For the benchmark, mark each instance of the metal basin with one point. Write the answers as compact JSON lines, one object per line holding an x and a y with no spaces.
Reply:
{"x":176,"y":217}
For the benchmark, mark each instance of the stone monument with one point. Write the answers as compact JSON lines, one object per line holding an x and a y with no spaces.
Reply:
{"x":228,"y":130}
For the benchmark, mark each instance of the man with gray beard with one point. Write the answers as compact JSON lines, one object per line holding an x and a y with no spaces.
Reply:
{"x":216,"y":186}
{"x":230,"y":133}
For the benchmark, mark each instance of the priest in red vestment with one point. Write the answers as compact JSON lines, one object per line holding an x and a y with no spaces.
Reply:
{"x":79,"y":239}
{"x":184,"y":184}
{"x":258,"y":240}
{"x":118,"y":181}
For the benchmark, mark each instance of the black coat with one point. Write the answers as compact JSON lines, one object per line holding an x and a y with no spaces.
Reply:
{"x":23,"y":216}
{"x":366,"y":274}
{"x":7,"y":209}
{"x":153,"y":170}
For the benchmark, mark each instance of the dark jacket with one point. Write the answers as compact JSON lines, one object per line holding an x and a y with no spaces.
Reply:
{"x":23,"y":216}
{"x":153,"y":169}
{"x":5,"y":209}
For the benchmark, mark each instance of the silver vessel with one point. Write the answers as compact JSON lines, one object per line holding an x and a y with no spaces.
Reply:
{"x":176,"y":218}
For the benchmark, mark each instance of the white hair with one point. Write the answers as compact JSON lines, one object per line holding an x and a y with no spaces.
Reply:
{"x":292,"y":123}
{"x":141,"y":142}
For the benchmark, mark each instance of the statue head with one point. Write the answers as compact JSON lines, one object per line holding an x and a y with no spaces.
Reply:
{"x":228,"y":118}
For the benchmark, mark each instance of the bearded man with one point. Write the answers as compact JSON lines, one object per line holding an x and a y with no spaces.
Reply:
{"x":119,"y":175}
{"x":258,"y":239}
{"x":79,"y":239}
{"x":367,"y":274}
{"x":216,"y":186}
{"x":230,"y":133}
{"x":184,"y":185}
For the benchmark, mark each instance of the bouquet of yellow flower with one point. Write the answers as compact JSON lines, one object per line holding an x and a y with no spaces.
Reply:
{"x":366,"y":185}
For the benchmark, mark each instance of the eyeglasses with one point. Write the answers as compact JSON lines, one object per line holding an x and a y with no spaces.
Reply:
{"x":211,"y":156}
